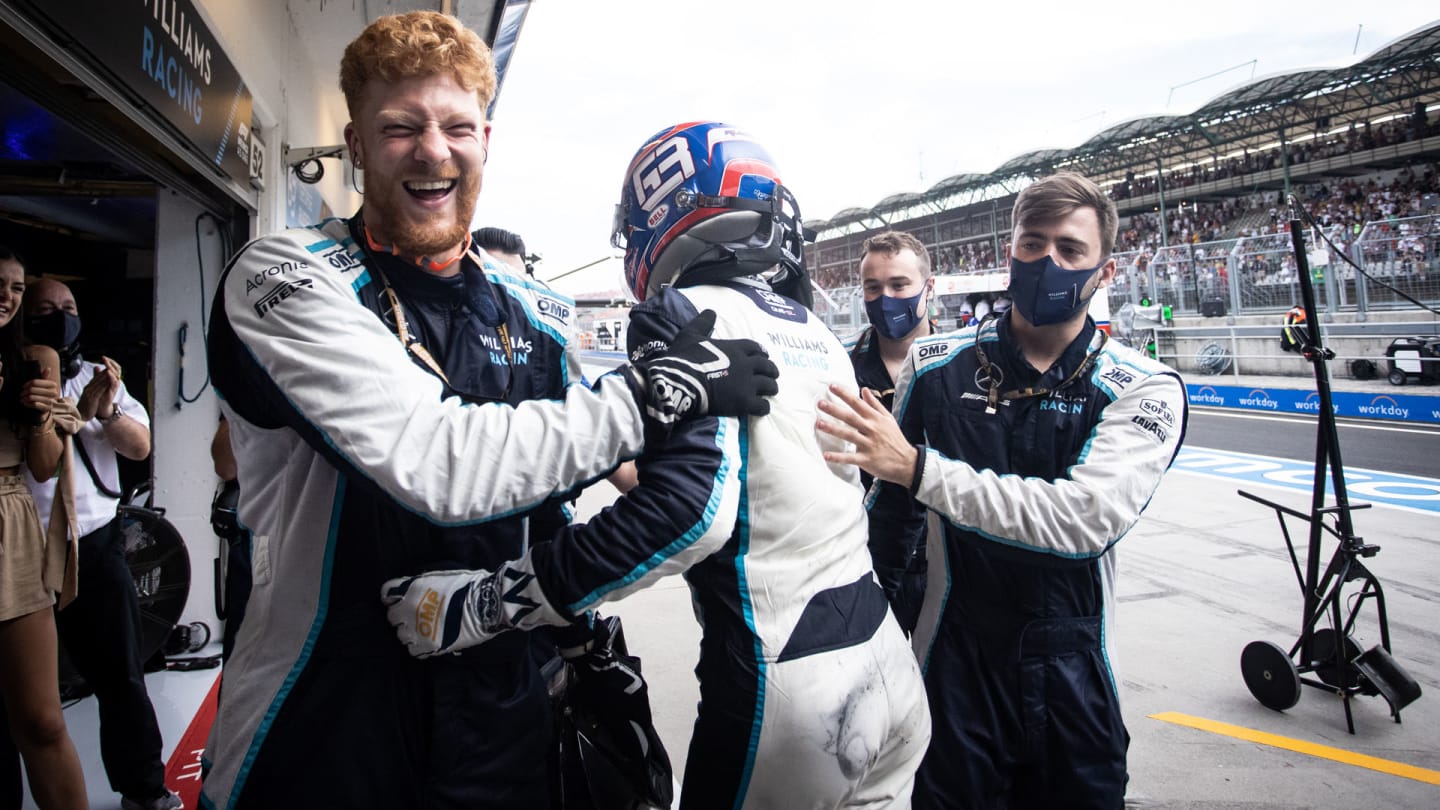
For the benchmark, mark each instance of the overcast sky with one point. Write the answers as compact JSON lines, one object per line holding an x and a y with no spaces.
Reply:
{"x":860,"y":100}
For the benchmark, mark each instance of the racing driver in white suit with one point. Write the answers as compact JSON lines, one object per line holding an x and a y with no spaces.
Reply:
{"x":809,"y":695}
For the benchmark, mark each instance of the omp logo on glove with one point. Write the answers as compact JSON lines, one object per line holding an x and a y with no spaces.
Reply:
{"x":699,"y":375}
{"x":427,"y":614}
{"x":673,"y":390}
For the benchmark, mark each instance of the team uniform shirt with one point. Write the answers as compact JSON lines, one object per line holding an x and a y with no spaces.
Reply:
{"x":901,"y":568}
{"x":809,"y":697}
{"x":93,"y":508}
{"x":358,"y":464}
{"x":1025,"y":506}
{"x":870,"y":371}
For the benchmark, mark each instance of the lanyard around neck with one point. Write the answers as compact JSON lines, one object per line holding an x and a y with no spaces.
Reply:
{"x":994,"y":396}
{"x":412,"y":343}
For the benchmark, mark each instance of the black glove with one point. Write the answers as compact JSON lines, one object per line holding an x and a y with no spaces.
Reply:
{"x":698,"y":375}
{"x":610,"y":753}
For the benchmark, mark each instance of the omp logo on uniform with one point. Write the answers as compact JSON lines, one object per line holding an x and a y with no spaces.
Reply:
{"x":1119,"y":376}
{"x":1152,"y":427}
{"x":1158,"y":409}
{"x":932,"y":350}
{"x":257,"y":280}
{"x":550,"y":308}
{"x":283,"y":290}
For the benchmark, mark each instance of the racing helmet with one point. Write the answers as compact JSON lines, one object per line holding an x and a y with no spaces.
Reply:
{"x":706,"y":196}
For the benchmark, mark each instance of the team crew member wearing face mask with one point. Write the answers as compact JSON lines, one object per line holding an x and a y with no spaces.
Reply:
{"x":898,"y":287}
{"x":1031,"y":444}
{"x":99,"y":629}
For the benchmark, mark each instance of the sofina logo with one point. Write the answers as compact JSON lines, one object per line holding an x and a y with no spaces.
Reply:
{"x":1207,"y":395}
{"x":1384,"y":406}
{"x":1258,"y":398}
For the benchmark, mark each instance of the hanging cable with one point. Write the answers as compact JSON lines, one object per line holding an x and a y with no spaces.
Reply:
{"x":184,"y":333}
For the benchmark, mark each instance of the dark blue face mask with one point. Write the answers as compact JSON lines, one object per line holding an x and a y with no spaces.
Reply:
{"x":894,"y":318}
{"x":1044,"y":293}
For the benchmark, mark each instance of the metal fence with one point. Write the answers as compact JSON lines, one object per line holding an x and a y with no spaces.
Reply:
{"x":842,"y":309}
{"x":1257,"y":274}
{"x":1252,"y":275}
{"x":1404,"y":254}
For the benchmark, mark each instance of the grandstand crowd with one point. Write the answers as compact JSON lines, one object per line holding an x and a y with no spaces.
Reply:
{"x":1342,"y":207}
{"x":1355,"y":138}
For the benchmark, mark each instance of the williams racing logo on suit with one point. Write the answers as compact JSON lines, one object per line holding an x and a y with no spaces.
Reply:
{"x":283,"y":290}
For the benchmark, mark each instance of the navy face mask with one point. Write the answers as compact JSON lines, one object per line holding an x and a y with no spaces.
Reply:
{"x":894,"y":318}
{"x":1044,"y":293}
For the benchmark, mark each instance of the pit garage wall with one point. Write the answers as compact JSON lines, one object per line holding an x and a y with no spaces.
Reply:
{"x":185,"y":479}
{"x":293,"y":104}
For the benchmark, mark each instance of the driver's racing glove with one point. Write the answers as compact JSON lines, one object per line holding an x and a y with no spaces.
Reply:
{"x":449,"y":611}
{"x":698,"y":375}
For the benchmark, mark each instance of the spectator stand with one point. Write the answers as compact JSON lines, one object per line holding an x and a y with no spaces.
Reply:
{"x":1358,"y":144}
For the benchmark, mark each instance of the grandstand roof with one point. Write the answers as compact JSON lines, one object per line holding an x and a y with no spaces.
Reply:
{"x":1136,"y":128}
{"x":1266,"y":91}
{"x":849,"y":216}
{"x":956,"y":183}
{"x":1031,"y":161}
{"x":1421,"y":43}
{"x":1251,"y":115}
{"x":896,"y":202}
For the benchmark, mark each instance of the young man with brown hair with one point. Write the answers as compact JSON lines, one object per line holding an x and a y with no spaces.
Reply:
{"x":1034,"y":444}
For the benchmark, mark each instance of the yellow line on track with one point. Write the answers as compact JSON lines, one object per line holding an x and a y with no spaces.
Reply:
{"x":1300,"y":746}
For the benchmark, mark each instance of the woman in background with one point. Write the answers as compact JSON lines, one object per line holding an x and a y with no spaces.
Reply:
{"x":32,"y":572}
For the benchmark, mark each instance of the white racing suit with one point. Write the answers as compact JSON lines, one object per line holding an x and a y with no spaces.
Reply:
{"x":356,"y":465}
{"x":809,"y":695}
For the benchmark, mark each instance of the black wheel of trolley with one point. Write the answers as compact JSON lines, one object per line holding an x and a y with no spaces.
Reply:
{"x":1397,"y":376}
{"x":1323,"y":655}
{"x":160,"y":566}
{"x":1270,"y":675}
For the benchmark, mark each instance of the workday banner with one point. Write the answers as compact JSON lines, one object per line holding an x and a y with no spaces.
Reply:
{"x":1400,"y":407}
